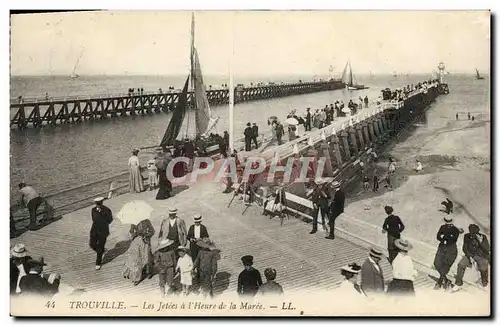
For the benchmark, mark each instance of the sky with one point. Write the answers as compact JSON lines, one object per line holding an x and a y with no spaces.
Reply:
{"x":253,"y":42}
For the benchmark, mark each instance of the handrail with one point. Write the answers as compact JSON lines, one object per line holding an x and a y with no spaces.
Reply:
{"x":32,"y":100}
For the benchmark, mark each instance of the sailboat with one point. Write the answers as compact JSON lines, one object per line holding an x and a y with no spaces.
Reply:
{"x":478,"y":76}
{"x":190,"y":120}
{"x":74,"y":75}
{"x":349,"y":80}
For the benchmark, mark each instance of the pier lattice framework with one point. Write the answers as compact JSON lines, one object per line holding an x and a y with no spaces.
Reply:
{"x":37,"y":113}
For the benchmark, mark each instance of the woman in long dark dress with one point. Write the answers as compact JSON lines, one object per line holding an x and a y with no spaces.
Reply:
{"x":165,"y":187}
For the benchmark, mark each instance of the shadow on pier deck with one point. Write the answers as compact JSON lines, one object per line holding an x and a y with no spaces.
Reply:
{"x":302,"y":261}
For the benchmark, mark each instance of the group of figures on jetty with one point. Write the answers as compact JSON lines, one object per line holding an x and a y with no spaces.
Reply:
{"x":187,"y":259}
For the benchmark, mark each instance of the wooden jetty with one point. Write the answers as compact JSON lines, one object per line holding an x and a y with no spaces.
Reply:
{"x":53,"y":111}
{"x":303,"y":261}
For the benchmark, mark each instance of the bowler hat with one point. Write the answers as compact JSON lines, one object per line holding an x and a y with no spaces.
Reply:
{"x":473,"y":228}
{"x":247,"y":260}
{"x":37,"y":260}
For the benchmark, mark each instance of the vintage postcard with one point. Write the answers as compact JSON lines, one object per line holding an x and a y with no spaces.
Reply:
{"x":250,"y":163}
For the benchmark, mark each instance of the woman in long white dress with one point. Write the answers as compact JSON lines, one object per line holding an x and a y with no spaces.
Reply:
{"x":135,"y":178}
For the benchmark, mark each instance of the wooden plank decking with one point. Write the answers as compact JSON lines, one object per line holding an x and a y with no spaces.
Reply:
{"x":301,"y":260}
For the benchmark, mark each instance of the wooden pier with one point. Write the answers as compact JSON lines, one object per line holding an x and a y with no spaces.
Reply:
{"x":50,"y":111}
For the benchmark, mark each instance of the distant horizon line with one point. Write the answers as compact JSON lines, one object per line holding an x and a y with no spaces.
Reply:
{"x":215,"y":75}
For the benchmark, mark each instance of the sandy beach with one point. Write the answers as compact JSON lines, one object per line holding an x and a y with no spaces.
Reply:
{"x":456,"y":164}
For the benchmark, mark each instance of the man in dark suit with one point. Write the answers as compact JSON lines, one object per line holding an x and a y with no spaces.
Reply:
{"x":226,"y":139}
{"x":196,"y":232}
{"x":307,"y":125}
{"x":248,"y":137}
{"x":336,"y":207}
{"x":34,"y":283}
{"x":371,"y":278}
{"x":99,"y":232}
{"x":476,"y":250}
{"x":249,"y":279}
{"x":393,"y":226}
{"x":255,"y":135}
{"x":319,"y":198}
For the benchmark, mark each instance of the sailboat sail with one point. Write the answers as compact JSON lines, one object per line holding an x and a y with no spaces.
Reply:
{"x":74,"y":74}
{"x":347,"y":75}
{"x":174,"y":126}
{"x":477,"y":74}
{"x":204,"y":120}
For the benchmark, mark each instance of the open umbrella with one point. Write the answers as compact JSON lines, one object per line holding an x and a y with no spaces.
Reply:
{"x":292,"y":121}
{"x":135,"y":211}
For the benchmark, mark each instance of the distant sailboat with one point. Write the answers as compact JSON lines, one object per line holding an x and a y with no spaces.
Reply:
{"x":74,"y":75}
{"x":196,"y":119}
{"x":478,"y":76}
{"x":349,"y":79}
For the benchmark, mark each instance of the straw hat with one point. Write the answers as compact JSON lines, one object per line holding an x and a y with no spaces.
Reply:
{"x":403,"y":244}
{"x":335,"y":184}
{"x":172,"y":211}
{"x":19,"y":251}
{"x":448,"y":219}
{"x":98,"y":200}
{"x":351,"y":268}
{"x":182,"y":248}
{"x":376,"y":253}
{"x":197,"y":218}
{"x":164,"y":244}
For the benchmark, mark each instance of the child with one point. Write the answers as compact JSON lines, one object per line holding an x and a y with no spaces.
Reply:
{"x":185,"y":268}
{"x":375,"y":183}
{"x":418,"y":167}
{"x":366,"y":183}
{"x":152,"y":174}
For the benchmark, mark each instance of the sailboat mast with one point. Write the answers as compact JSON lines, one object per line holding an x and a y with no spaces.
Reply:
{"x":231,"y":96}
{"x":350,"y":74}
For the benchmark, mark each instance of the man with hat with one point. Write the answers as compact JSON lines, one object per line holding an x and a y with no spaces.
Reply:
{"x":248,"y":137}
{"x":336,"y":207}
{"x":393,"y":226}
{"x":307,"y":125}
{"x":34,"y":283}
{"x":446,"y":252}
{"x":249,"y":279}
{"x":476,"y":250}
{"x":99,"y":232}
{"x":205,"y":264}
{"x":371,"y":279}
{"x":319,"y":198}
{"x":18,"y":266}
{"x":271,"y":287}
{"x":255,"y":135}
{"x":196,"y":232}
{"x":172,"y":234}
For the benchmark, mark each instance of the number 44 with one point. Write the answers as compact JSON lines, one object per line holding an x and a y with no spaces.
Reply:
{"x":50,"y":304}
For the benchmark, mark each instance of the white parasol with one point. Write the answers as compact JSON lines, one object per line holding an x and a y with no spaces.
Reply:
{"x":135,"y":211}
{"x":292,"y":121}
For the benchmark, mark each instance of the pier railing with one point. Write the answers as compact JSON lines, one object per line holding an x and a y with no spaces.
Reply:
{"x":53,"y":111}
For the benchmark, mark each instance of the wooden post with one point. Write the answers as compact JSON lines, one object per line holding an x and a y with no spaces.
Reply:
{"x":112,"y":187}
{"x":352,"y":133}
{"x":365,"y":133}
{"x":370,"y":128}
{"x":336,"y":148}
{"x":328,"y":160}
{"x":343,"y":135}
{"x":359,"y":130}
